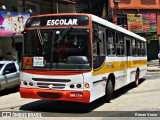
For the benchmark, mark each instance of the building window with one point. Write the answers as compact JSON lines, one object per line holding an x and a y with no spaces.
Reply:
{"x":122,"y":19}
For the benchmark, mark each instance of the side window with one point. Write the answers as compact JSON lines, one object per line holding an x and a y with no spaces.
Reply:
{"x":139,"y":48}
{"x":101,"y":43}
{"x":98,"y":45}
{"x":145,"y":49}
{"x":111,"y":43}
{"x":134,"y":47}
{"x":142,"y":46}
{"x":98,"y":41}
{"x":120,"y":44}
{"x":94,"y":40}
{"x":11,"y":68}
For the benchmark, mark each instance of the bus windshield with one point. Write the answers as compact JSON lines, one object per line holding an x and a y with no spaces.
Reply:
{"x":57,"y":49}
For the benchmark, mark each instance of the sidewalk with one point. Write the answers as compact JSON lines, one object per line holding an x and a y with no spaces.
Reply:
{"x":153,"y":66}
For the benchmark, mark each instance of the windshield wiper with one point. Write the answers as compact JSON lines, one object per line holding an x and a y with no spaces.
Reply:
{"x":41,"y":40}
{"x":64,"y":33}
{"x":40,"y":37}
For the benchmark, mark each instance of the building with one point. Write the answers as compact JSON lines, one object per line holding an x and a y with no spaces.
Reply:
{"x":13,"y":16}
{"x":91,"y":6}
{"x":141,"y":17}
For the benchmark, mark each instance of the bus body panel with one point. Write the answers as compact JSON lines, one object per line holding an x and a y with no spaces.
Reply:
{"x":124,"y":70}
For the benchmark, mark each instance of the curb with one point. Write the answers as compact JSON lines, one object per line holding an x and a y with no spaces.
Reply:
{"x":153,"y":70}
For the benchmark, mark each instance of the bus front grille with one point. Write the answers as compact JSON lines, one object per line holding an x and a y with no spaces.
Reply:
{"x":48,"y":83}
{"x":51,"y":85}
{"x":51,"y":80}
{"x":49,"y":95}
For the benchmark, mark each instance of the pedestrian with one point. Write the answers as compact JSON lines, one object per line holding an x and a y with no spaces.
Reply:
{"x":14,"y":58}
{"x":159,"y":57}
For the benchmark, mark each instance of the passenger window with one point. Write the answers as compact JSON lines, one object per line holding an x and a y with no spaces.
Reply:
{"x":111,"y":43}
{"x":120,"y":44}
{"x":101,"y":43}
{"x":134,"y":51}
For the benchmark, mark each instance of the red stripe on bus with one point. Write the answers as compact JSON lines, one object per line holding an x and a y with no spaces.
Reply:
{"x":51,"y":72}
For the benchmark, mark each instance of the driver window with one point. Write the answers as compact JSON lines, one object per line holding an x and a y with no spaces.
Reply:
{"x":98,"y":46}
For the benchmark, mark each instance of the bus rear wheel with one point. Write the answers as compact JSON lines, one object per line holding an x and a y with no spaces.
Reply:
{"x":109,"y":91}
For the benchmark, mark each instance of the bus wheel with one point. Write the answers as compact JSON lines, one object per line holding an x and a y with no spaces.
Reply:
{"x":136,"y":82}
{"x":109,"y":91}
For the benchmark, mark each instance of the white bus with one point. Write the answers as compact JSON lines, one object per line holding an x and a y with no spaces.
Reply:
{"x":79,"y":57}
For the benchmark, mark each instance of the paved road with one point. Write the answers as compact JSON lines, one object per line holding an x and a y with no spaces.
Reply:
{"x":143,"y":98}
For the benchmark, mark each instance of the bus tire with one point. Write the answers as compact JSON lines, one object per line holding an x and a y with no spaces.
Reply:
{"x":136,"y":82}
{"x":109,"y":91}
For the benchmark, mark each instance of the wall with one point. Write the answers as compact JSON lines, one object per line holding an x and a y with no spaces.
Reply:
{"x":137,"y":4}
{"x":66,"y":8}
{"x":48,"y":7}
{"x":6,"y":46}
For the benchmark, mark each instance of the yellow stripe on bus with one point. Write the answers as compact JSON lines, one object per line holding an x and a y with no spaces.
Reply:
{"x":110,"y":67}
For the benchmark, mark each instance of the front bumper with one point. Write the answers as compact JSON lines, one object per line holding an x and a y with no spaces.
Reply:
{"x":62,"y":95}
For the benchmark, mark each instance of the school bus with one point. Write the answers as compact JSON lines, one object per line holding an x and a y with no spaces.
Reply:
{"x":79,"y":57}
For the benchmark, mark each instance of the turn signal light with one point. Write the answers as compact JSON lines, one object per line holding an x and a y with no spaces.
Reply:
{"x":86,"y":85}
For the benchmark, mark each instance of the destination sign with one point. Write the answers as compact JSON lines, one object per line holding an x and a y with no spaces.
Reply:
{"x":57,"y":21}
{"x":54,"y":22}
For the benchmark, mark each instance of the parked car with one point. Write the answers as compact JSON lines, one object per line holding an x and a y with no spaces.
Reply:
{"x":9,"y":74}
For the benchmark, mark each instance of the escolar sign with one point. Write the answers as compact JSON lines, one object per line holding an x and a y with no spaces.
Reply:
{"x":62,"y":22}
